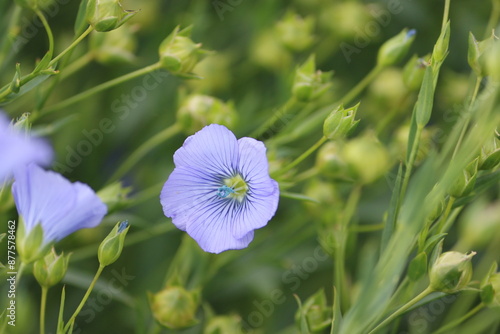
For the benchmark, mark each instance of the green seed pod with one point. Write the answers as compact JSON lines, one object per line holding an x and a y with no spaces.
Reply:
{"x":451,"y":272}
{"x":179,"y":54}
{"x":309,"y":84}
{"x":396,"y":48}
{"x":340,"y":123}
{"x":197,"y":111}
{"x":295,"y":32}
{"x":175,"y":307}
{"x":413,"y":72}
{"x":329,"y":161}
{"x":114,"y":47}
{"x":51,"y":269}
{"x":107,"y":15}
{"x":441,"y":47}
{"x":111,"y":247}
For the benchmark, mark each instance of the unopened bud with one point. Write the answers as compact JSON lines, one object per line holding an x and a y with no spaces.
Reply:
{"x":114,"y":47}
{"x":114,"y":196}
{"x":396,"y":48}
{"x":492,"y":61}
{"x":107,"y":15}
{"x":490,"y":155}
{"x":309,"y":84}
{"x":295,"y":32}
{"x":224,"y":325}
{"x":490,"y":288}
{"x":179,"y":54}
{"x":441,"y":47}
{"x":51,"y":269}
{"x":197,"y":111}
{"x":111,"y":247}
{"x":340,"y":123}
{"x":31,"y":245}
{"x":451,"y":272}
{"x":329,"y":161}
{"x":175,"y":307}
{"x":413,"y":72}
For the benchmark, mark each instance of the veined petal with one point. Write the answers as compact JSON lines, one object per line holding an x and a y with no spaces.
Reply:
{"x":213,"y":149}
{"x":186,"y":190}
{"x":211,"y":227}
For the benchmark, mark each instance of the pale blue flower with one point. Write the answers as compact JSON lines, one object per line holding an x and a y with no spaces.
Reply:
{"x":220,"y":190}
{"x":18,"y":149}
{"x":59,"y":206}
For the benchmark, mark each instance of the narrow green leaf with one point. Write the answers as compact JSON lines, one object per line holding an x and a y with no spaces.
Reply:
{"x":425,"y":99}
{"x":43,"y":64}
{"x":432,"y":241}
{"x":417,"y":267}
{"x":81,"y":21}
{"x":60,"y":320}
{"x":337,"y":313}
{"x":392,"y":214}
{"x":412,"y":136}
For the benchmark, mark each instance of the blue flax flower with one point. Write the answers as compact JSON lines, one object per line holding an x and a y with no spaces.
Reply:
{"x":220,"y":190}
{"x":59,"y":206}
{"x":18,"y":149}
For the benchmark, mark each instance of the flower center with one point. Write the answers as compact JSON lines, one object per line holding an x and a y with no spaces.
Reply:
{"x":234,"y":187}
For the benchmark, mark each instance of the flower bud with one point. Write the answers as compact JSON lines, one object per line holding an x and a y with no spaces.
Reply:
{"x":30,"y":246}
{"x":465,"y":183}
{"x":388,"y":88}
{"x":308,"y":83}
{"x":114,"y":196}
{"x":479,"y":223}
{"x":51,"y":269}
{"x":175,"y":307}
{"x":440,"y":50}
{"x":295,"y":32}
{"x":346,"y":20}
{"x":451,"y":272}
{"x":268,"y":52}
{"x":340,"y":123}
{"x":413,"y":72}
{"x":394,"y":50}
{"x":114,"y":47}
{"x":315,"y":312}
{"x":329,"y":161}
{"x":477,"y":55}
{"x":111,"y":247}
{"x":492,"y":61}
{"x":224,"y":325}
{"x":490,"y":155}
{"x":196,"y":111}
{"x":179,"y":54}
{"x":367,"y":158}
{"x":107,"y":15}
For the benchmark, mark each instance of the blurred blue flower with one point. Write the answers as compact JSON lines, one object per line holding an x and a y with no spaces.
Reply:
{"x":220,"y":190}
{"x":18,"y":149}
{"x":59,"y":206}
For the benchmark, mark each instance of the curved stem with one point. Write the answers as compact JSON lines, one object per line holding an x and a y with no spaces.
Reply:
{"x":301,"y":157}
{"x":100,"y":88}
{"x":43,"y":303}
{"x":144,"y":149}
{"x":84,"y":299}
{"x":458,"y":321}
{"x":402,"y":309}
{"x":48,"y":30}
{"x":72,"y":45}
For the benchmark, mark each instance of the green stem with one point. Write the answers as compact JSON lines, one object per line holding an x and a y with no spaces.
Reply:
{"x":356,"y":90}
{"x":411,"y":162}
{"x":144,"y":149}
{"x":493,"y":21}
{"x":22,"y":268}
{"x":402,"y":309}
{"x":301,"y":157}
{"x":100,"y":88}
{"x":277,"y":116}
{"x":48,"y":30}
{"x":84,"y":299}
{"x":43,"y":303}
{"x":446,"y":13}
{"x":72,"y":45}
{"x":458,"y":321}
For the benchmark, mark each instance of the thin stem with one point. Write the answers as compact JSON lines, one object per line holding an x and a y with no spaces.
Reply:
{"x":22,"y":268}
{"x":446,"y":13}
{"x":301,"y":157}
{"x":458,"y":321}
{"x":43,"y":303}
{"x":493,"y":21}
{"x":84,"y":299}
{"x":411,"y":162}
{"x":402,"y":309}
{"x":277,"y":116}
{"x":101,"y":87}
{"x":144,"y":149}
{"x":48,"y":30}
{"x":72,"y":45}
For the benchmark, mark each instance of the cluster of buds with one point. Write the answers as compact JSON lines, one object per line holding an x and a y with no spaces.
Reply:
{"x":309,"y":83}
{"x":196,"y":111}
